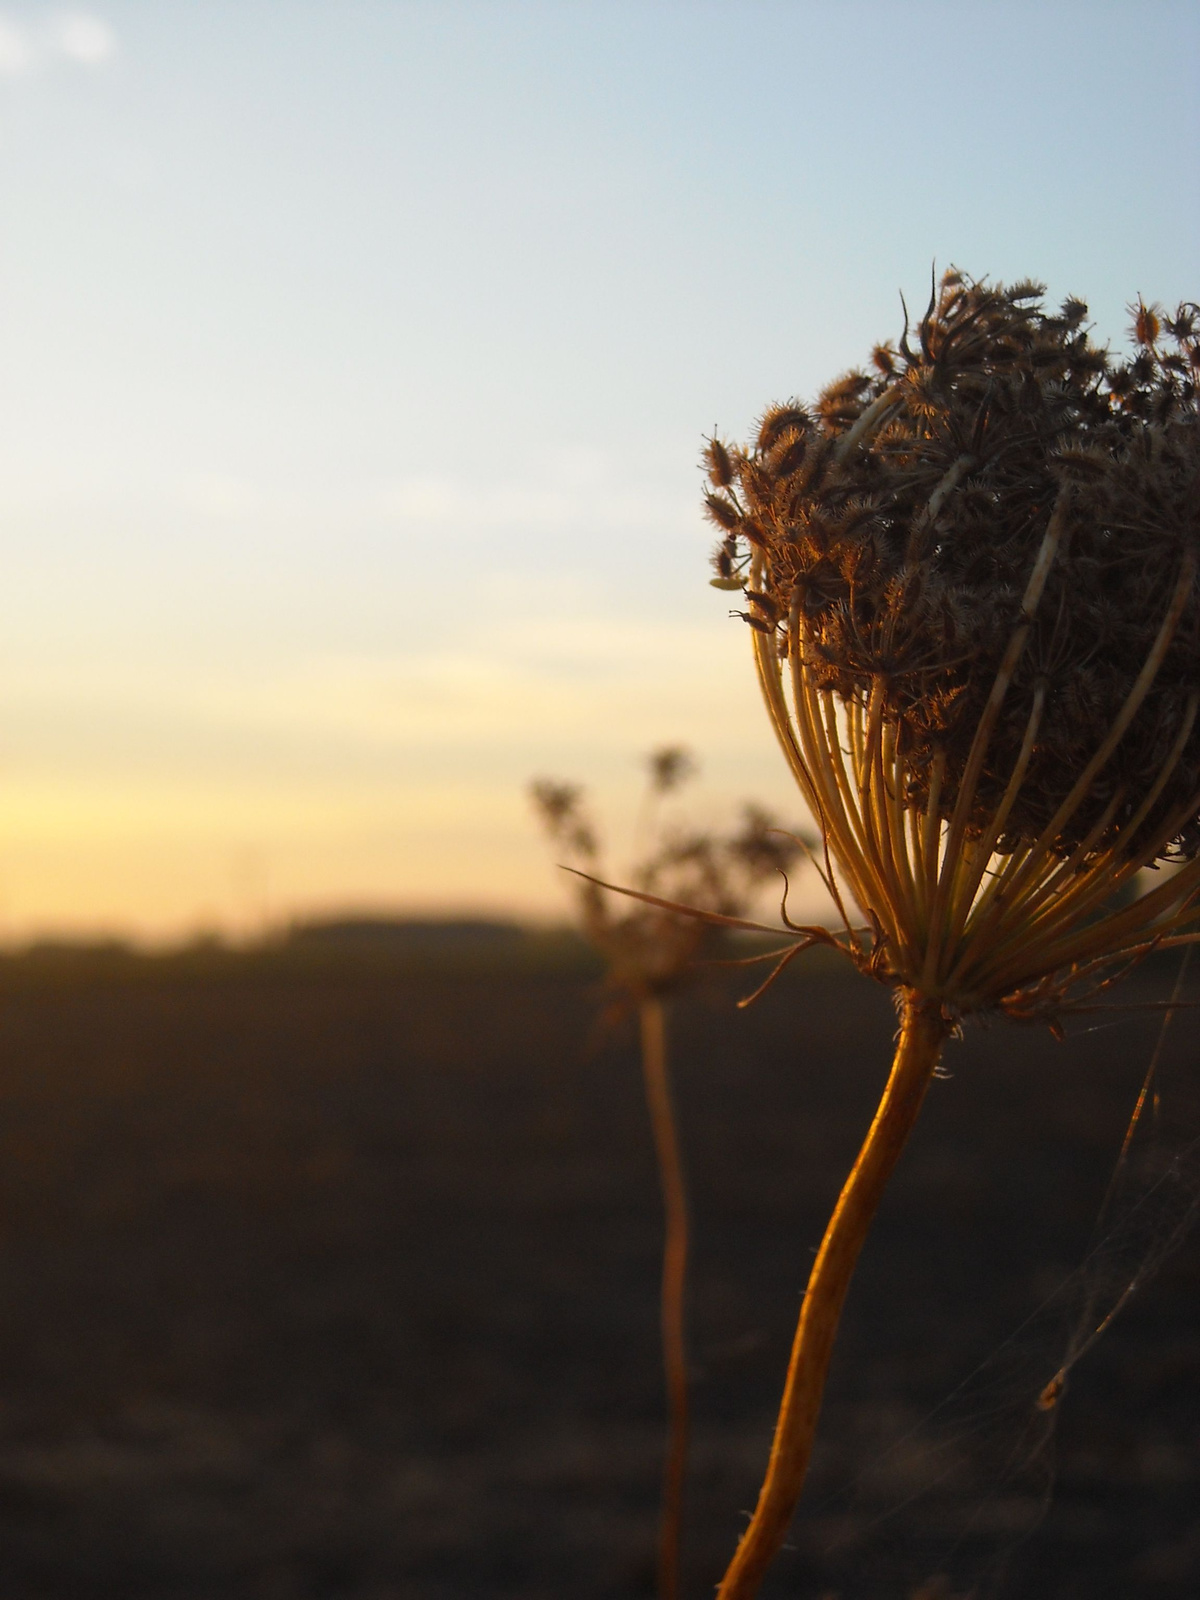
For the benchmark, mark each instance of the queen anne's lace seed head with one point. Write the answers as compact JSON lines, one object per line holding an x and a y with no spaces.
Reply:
{"x":896,"y":520}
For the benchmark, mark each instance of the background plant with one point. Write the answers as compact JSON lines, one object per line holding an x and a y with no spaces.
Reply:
{"x":650,"y":951}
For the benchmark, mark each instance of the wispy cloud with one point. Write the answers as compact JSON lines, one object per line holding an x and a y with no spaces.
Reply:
{"x":535,"y":684}
{"x":74,"y":36}
{"x":441,"y":502}
{"x":15,"y":53}
{"x":83,"y":37}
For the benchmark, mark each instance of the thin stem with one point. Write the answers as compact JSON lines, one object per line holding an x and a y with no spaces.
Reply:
{"x":652,"y":1016}
{"x":825,"y":715}
{"x":869,"y":423}
{"x":891,"y":782}
{"x":983,"y":848}
{"x":873,"y":801}
{"x":961,"y":816}
{"x":770,"y":678}
{"x":1133,"y":701}
{"x":838,"y":817}
{"x":923,"y":1031}
{"x":931,"y":832}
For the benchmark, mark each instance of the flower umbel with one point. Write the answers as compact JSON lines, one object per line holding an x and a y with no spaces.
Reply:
{"x":973,"y":571}
{"x":971,"y":581}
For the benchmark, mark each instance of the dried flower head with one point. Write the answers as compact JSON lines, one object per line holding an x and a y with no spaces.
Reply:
{"x":649,"y":944}
{"x":669,"y":767}
{"x":649,"y":947}
{"x":975,"y":566}
{"x":970,"y":578}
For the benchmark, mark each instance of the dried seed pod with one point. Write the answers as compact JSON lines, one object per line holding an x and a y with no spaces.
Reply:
{"x":720,"y":468}
{"x":951,"y":461}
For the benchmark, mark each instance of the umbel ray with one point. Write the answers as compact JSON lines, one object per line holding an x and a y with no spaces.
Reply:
{"x":970,"y":577}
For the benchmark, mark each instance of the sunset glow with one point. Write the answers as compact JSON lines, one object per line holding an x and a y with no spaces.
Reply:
{"x":355,"y":357}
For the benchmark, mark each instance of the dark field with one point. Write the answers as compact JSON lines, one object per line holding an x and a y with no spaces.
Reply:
{"x":332,"y":1277}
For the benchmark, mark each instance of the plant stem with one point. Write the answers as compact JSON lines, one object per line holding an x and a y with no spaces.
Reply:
{"x":923,"y":1031}
{"x":652,"y":1015}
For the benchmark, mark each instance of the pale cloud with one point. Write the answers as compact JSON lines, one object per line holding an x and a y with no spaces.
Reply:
{"x":225,"y":496}
{"x":555,"y":681}
{"x":76,"y":36}
{"x":83,"y":37}
{"x":383,"y":781}
{"x":15,"y":54}
{"x":567,"y":499}
{"x":571,"y":499}
{"x":546,"y":683}
{"x":447,"y":701}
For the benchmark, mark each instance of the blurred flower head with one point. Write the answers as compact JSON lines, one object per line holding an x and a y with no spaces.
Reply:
{"x":649,"y":949}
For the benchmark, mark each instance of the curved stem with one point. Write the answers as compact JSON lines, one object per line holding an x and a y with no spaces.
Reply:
{"x":652,"y":1017}
{"x":923,"y":1031}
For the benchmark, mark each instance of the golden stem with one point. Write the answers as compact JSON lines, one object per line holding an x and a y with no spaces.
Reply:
{"x":652,"y":1017}
{"x":923,"y":1031}
{"x":914,"y":819}
{"x":1063,"y":947}
{"x":1174,"y":756}
{"x":869,"y":423}
{"x":822,"y":802}
{"x":961,"y":816}
{"x":924,"y":524}
{"x":825,"y":716}
{"x":985,"y":846}
{"x":931,"y":831}
{"x":823,"y":756}
{"x":872,"y":806}
{"x":1015,"y":923}
{"x":891,"y":782}
{"x":1060,"y":911}
{"x":1064,"y":892}
{"x":1114,"y":868}
{"x":838,"y":818}
{"x":770,"y":680}
{"x":1141,"y":688}
{"x":856,"y":739}
{"x":1040,"y":889}
{"x":895,"y":906}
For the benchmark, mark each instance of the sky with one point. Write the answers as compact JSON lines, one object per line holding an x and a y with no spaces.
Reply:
{"x":355,"y":361}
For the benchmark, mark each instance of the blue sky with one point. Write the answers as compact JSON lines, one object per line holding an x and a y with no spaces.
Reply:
{"x":356,"y":363}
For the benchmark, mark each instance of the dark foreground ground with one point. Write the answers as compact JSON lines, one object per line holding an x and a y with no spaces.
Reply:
{"x":332,"y":1277}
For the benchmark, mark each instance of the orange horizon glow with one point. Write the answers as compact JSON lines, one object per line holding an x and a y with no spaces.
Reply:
{"x":357,"y":364}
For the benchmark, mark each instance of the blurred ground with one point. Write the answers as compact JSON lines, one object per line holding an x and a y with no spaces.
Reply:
{"x":330,"y":1274}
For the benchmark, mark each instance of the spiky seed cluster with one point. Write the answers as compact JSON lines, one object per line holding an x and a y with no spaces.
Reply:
{"x":649,"y":949}
{"x":898,"y":518}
